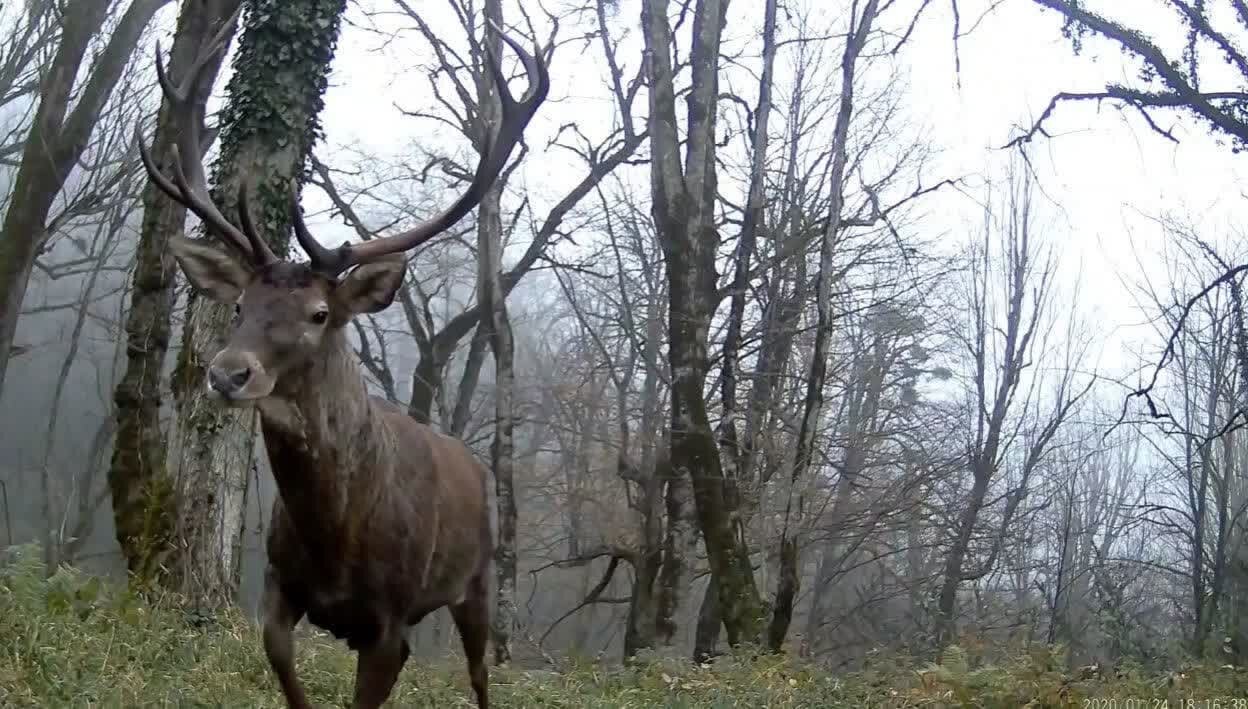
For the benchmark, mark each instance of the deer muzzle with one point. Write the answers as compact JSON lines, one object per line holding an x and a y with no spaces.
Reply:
{"x":237,"y":376}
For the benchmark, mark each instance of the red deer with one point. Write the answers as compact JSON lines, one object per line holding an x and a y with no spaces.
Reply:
{"x":379,"y":520}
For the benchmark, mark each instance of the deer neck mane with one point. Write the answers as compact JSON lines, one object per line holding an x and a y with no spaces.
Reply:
{"x":325,"y":440}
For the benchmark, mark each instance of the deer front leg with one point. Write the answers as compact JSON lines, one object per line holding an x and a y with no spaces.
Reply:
{"x":280,"y":618}
{"x":377,"y":669}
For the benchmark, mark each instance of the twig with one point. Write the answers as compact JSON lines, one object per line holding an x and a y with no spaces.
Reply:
{"x":591,"y":597}
{"x":1146,"y":391}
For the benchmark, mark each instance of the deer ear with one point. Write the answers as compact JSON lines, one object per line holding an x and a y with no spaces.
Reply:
{"x":210,"y":270}
{"x":370,"y":288}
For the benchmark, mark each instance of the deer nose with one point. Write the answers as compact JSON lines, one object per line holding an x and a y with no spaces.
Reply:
{"x":229,"y":381}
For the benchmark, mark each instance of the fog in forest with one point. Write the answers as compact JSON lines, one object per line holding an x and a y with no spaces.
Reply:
{"x":973,"y":334}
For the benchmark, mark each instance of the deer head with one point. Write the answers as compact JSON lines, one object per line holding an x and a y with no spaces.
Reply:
{"x":285,"y":311}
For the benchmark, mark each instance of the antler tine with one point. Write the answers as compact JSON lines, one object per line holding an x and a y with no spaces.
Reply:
{"x":320,"y":256}
{"x":189,"y":186}
{"x":539,"y":77}
{"x":259,"y":249}
{"x":515,"y":118}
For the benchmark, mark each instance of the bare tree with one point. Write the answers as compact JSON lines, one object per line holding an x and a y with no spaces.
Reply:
{"x":812,"y":410}
{"x":437,"y":339}
{"x":103,"y":245}
{"x":30,"y":30}
{"x":142,"y":491}
{"x":58,"y":136}
{"x":683,"y":200}
{"x":878,"y":408}
{"x":1005,"y":416}
{"x":1102,"y":481}
{"x":1201,"y":504}
{"x":497,"y":325}
{"x":626,"y":337}
{"x":92,"y":224}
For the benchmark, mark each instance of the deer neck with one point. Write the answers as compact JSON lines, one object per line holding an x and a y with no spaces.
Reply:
{"x":325,"y":442}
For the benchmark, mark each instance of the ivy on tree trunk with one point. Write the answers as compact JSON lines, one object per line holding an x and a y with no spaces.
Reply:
{"x":268,"y":127}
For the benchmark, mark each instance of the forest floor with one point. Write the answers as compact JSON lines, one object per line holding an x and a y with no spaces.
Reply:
{"x":75,"y":641}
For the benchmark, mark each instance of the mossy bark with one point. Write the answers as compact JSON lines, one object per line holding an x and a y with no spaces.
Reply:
{"x":139,"y":483}
{"x":268,"y":127}
{"x":683,"y":210}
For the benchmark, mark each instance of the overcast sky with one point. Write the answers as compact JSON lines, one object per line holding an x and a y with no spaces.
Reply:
{"x":1106,"y":174}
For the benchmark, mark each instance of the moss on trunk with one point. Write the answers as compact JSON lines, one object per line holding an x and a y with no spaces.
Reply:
{"x":268,"y":127}
{"x":139,"y":483}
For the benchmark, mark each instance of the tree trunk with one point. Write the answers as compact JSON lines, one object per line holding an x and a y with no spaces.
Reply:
{"x":812,"y":410}
{"x":1237,"y":571}
{"x":468,"y":382}
{"x":645,"y":619}
{"x":918,"y":591}
{"x":494,"y":309}
{"x":651,"y":608}
{"x":945,"y":607}
{"x":737,"y":462}
{"x":427,"y":379}
{"x":1217,"y":587}
{"x":680,"y":541}
{"x":706,"y":634}
{"x":280,"y":70}
{"x":56,"y":141}
{"x":142,"y":492}
{"x":683,"y":210}
{"x":732,"y":452}
{"x":1200,"y":515}
{"x":1059,"y":623}
{"x":106,"y":235}
{"x":501,"y":457}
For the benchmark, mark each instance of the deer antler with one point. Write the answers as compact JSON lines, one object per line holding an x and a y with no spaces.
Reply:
{"x":515,"y":117}
{"x":189,"y":186}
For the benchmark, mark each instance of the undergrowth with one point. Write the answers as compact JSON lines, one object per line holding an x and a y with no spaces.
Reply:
{"x":70,"y":640}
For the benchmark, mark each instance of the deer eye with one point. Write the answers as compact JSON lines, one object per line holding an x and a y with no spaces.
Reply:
{"x":320,"y":316}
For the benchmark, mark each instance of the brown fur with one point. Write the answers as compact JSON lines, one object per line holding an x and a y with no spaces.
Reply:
{"x":379,"y":520}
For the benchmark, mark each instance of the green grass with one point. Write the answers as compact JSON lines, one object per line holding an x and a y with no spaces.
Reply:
{"x":74,"y":641}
